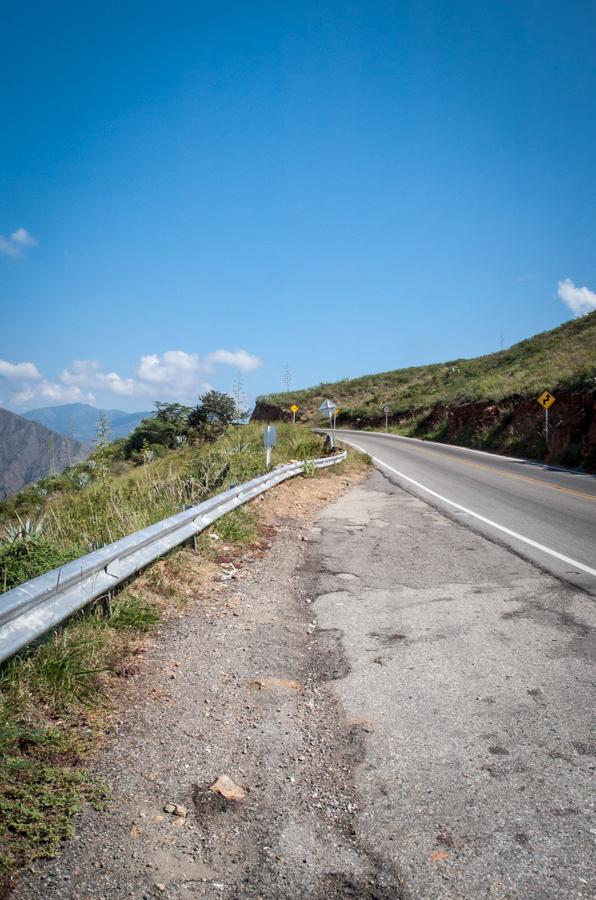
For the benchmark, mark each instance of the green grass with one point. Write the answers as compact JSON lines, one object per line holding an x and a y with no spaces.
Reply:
{"x":239,"y":526}
{"x":40,"y":791}
{"x":563,"y":357}
{"x":131,"y":613}
{"x":78,"y":520}
{"x":21,"y":560}
{"x":49,"y":698}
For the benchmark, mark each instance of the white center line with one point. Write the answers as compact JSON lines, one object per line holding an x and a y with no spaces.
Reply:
{"x":470,"y":512}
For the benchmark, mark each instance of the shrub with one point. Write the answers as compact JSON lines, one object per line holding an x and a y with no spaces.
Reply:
{"x":24,"y":559}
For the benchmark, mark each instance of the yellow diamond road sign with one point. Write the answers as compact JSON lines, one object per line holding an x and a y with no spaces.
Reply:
{"x":294,"y":408}
{"x":546,"y":399}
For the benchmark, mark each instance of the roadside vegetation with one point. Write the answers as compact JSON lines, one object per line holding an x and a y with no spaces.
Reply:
{"x":176,"y":458}
{"x":488,"y":403}
{"x":56,"y":698}
{"x":564,"y":357}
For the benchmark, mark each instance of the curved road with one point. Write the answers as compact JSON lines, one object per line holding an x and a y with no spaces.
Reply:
{"x":545,"y":514}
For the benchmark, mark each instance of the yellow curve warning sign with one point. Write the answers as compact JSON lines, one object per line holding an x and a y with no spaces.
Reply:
{"x":546,"y":399}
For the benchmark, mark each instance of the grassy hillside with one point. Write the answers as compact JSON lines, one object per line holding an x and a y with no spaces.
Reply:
{"x":563,"y":357}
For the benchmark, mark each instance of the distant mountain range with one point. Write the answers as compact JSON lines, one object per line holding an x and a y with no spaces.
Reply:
{"x":29,"y":451}
{"x":79,"y":420}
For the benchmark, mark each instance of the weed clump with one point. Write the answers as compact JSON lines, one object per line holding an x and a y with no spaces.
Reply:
{"x":40,"y":791}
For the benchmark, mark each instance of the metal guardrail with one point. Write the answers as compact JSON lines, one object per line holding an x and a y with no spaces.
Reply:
{"x":32,"y":609}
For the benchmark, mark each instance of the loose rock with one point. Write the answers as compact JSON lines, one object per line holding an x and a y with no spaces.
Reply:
{"x":228,"y":788}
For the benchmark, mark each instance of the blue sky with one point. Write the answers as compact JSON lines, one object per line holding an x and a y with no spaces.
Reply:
{"x":345,"y":187}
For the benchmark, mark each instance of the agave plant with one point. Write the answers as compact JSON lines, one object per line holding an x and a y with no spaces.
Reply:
{"x":26,"y":530}
{"x":82,"y":480}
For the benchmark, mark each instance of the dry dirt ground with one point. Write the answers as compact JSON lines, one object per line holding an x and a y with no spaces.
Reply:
{"x":235,"y":686}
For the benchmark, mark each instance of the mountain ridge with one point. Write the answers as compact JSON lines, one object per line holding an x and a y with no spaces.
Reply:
{"x":29,"y":451}
{"x":79,"y":420}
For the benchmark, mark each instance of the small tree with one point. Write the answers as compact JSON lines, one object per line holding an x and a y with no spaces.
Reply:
{"x":213,"y":414}
{"x":174,"y":413}
{"x":151,"y":431}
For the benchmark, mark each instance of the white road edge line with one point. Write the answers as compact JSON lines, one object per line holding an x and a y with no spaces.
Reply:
{"x":514,"y":459}
{"x":470,"y":512}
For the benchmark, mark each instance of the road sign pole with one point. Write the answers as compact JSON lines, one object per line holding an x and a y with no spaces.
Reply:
{"x":293,"y":418}
{"x":386,"y":421}
{"x":546,"y":400}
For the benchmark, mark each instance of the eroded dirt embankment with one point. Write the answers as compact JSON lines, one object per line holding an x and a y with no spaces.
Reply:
{"x":514,"y":425}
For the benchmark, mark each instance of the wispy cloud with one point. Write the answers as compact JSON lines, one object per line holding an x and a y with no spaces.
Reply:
{"x":239,"y":359}
{"x":17,"y":243}
{"x":580,"y":300}
{"x":86,"y":373}
{"x":49,"y":393}
{"x":24,"y":371}
{"x":173,"y":375}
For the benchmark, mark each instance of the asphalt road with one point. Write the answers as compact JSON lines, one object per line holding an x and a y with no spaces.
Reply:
{"x":471,"y":673}
{"x":545,"y":514}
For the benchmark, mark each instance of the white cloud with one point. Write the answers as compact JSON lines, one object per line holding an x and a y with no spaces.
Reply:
{"x":87,"y":373}
{"x":113,"y":382}
{"x":239,"y":359}
{"x":173,"y":375}
{"x":22,"y":236}
{"x":17,"y":242}
{"x":174,"y":366}
{"x":580,"y":300}
{"x":25,"y":371}
{"x":48,"y":393}
{"x":82,"y":372}
{"x":7,"y":248}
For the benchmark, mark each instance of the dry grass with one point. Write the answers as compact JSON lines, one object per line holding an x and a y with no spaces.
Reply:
{"x":563,"y":357}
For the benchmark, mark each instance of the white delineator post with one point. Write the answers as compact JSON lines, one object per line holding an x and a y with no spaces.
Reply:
{"x":269,"y":440}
